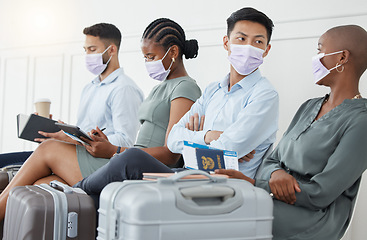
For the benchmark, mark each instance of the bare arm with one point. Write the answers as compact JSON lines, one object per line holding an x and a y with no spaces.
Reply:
{"x":102,"y":148}
{"x":179,"y":107}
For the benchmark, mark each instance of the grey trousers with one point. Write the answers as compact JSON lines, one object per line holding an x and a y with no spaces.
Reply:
{"x":128,"y":165}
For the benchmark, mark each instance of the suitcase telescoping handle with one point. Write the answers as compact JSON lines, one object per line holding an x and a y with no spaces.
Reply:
{"x":61,"y":186}
{"x":212,"y":197}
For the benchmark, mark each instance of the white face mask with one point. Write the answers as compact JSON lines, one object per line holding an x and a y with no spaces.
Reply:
{"x":94,"y":62}
{"x":318,"y":69}
{"x":245,"y":58}
{"x":156,"y":68}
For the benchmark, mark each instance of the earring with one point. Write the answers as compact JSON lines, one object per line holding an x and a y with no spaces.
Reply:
{"x":339,"y":71}
{"x":173,"y":59}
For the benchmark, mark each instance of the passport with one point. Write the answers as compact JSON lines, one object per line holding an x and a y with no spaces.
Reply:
{"x":210,"y":159}
{"x":207,"y":158}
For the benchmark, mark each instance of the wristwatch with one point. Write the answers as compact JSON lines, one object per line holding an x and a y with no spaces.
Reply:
{"x":117,"y":152}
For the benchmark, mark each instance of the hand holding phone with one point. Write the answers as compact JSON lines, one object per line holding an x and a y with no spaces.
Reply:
{"x":74,"y":132}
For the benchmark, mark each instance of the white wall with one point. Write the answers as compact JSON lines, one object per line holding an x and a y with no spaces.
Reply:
{"x":41,"y":53}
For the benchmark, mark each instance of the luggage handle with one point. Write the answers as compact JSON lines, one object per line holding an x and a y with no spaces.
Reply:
{"x":61,"y":186}
{"x":14,"y":167}
{"x":178,"y":176}
{"x":210,"y":191}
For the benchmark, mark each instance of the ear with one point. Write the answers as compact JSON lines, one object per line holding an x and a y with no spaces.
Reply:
{"x":174,"y":52}
{"x":267,"y":50}
{"x":113,"y":49}
{"x":226,"y":42}
{"x":344,"y":57}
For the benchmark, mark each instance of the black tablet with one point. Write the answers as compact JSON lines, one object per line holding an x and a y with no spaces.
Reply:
{"x":72,"y":130}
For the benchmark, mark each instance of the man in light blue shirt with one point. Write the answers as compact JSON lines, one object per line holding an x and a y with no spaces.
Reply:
{"x":246,"y":115}
{"x":241,"y":112}
{"x":115,"y":102}
{"x":110,"y":101}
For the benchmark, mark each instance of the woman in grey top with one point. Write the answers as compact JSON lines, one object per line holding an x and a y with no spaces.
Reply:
{"x":163,"y":46}
{"x":315,"y":171}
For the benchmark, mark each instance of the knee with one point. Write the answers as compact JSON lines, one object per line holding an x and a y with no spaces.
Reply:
{"x":134,"y":152}
{"x":135,"y":156}
{"x":131,"y":157}
{"x":47,"y":144}
{"x":50,"y":148}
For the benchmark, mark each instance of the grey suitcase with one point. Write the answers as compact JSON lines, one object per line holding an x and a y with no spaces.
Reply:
{"x":47,"y":212}
{"x":6,"y":175}
{"x":174,"y":208}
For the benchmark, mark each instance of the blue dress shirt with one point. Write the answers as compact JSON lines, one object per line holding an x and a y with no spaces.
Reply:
{"x":247,"y":115}
{"x":112,"y":104}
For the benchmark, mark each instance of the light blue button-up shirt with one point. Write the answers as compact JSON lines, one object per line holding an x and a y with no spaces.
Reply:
{"x":247,"y":115}
{"x":112,"y":104}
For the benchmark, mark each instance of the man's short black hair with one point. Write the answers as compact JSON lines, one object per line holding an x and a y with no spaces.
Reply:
{"x":250,"y":14}
{"x":106,"y":32}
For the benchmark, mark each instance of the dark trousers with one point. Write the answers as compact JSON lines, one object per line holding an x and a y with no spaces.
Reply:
{"x":13,"y":158}
{"x":129,"y":165}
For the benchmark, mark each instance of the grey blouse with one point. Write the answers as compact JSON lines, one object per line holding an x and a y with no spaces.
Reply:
{"x":327,"y":157}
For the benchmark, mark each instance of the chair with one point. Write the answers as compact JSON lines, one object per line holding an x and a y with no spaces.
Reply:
{"x":351,"y":214}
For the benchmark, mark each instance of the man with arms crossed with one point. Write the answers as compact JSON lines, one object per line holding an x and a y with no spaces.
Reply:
{"x":241,"y":111}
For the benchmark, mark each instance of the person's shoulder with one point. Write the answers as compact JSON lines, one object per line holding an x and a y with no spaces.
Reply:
{"x":122,"y":78}
{"x":88,"y":85}
{"x":310,"y":104}
{"x":212,"y":87}
{"x":186,"y":82}
{"x":123,"y":81}
{"x":354,"y":117}
{"x":265,"y":85}
{"x":312,"y":101}
{"x":263,"y":89}
{"x":358,"y":110}
{"x":185,"y":87}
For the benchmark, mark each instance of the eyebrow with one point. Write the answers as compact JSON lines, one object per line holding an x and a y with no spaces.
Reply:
{"x":243,"y":34}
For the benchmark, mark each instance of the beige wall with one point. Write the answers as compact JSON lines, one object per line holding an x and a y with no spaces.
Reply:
{"x":41,"y":53}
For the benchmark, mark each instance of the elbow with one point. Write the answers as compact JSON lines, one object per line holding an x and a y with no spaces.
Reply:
{"x":314,"y":203}
{"x":174,"y":161}
{"x":167,"y":157}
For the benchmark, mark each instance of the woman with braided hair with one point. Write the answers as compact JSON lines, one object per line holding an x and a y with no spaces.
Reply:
{"x":163,"y":46}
